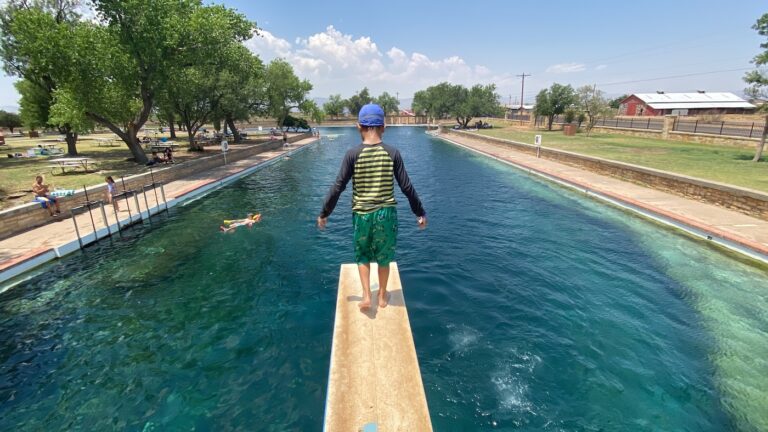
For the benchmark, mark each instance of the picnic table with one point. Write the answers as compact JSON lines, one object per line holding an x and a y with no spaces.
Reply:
{"x":71,"y":162}
{"x":106,"y":141}
{"x":161,"y":146}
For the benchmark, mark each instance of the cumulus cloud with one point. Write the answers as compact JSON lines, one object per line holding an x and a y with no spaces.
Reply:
{"x":341,"y":63}
{"x":566,"y":68}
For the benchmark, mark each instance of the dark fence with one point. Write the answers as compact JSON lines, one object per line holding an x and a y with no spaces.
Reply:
{"x":647,"y":123}
{"x":520,"y":117}
{"x":740,"y":129}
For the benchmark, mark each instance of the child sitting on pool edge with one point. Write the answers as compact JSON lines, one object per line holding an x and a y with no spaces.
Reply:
{"x":231,"y":225}
{"x":371,"y":166}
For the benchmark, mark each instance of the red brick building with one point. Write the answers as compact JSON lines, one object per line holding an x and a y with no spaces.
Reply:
{"x":660,"y":103}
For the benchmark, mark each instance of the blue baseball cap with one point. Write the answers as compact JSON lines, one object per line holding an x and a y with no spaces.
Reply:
{"x":371,"y":115}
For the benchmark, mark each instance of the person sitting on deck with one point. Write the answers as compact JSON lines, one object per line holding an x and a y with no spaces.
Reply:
{"x":156,"y":159}
{"x":231,"y":225}
{"x":42,"y":196}
{"x":168,"y":154}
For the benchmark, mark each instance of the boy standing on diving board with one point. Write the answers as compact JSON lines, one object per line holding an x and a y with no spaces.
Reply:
{"x":372,"y":166}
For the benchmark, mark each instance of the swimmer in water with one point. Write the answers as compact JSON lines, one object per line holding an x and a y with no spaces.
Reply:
{"x":231,"y":225}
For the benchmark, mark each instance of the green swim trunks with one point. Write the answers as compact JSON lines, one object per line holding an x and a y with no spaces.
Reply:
{"x":375,"y":236}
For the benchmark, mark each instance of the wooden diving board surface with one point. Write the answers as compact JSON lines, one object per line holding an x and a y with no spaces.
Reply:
{"x":374,"y":376}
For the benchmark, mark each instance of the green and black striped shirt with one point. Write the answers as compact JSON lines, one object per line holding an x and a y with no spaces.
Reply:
{"x":373,"y":169}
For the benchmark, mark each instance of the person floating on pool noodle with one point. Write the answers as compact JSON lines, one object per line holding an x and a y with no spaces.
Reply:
{"x":372,"y":166}
{"x":231,"y":225}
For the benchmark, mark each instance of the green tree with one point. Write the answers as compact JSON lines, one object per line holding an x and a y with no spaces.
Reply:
{"x":388,"y":103}
{"x":593,"y":104}
{"x":286,"y":92}
{"x":758,"y":80}
{"x":9,"y":120}
{"x":356,"y":101}
{"x":478,"y":101}
{"x":115,"y":69}
{"x":437,"y":101}
{"x":554,"y":101}
{"x":31,"y":35}
{"x":616,"y":102}
{"x":243,"y":90}
{"x":334,"y":107}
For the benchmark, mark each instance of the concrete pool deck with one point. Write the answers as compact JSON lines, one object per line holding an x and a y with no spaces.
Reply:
{"x":35,"y":247}
{"x":730,"y":229}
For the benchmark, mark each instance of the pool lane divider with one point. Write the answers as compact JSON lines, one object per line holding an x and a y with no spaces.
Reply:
{"x":16,"y":267}
{"x":696,"y":229}
{"x":374,"y":382}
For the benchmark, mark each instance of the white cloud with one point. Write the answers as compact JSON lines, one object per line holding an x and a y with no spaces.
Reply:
{"x":339,"y":63}
{"x":566,"y":68}
{"x":600,"y":67}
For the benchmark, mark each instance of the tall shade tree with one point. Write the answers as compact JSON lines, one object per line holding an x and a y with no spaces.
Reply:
{"x":592,"y":104}
{"x":334,"y":107}
{"x":286,"y":92}
{"x":357,"y":100}
{"x":243,"y":90}
{"x":388,"y":103}
{"x":115,"y":69}
{"x":478,"y":101}
{"x":10,"y":120}
{"x":554,"y":101}
{"x":758,"y":80}
{"x":436,"y":101}
{"x":31,"y":36}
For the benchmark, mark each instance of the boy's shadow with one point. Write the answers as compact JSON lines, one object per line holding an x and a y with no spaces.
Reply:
{"x":395,"y":298}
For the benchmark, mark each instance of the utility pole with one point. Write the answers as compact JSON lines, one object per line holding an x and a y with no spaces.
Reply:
{"x":522,"y":89}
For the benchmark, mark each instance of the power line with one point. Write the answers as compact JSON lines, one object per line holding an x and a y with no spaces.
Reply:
{"x":675,"y":76}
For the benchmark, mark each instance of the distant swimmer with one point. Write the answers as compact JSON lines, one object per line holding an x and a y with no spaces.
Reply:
{"x":231,"y":225}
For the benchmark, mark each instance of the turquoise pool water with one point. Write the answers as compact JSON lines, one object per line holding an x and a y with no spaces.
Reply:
{"x":532,"y":309}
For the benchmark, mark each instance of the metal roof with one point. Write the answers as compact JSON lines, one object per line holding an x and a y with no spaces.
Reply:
{"x":693,"y":100}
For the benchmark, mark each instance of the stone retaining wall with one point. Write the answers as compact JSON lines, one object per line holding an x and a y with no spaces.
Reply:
{"x":747,"y":201}
{"x":31,"y":215}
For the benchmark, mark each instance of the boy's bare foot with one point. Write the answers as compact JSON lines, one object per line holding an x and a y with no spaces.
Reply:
{"x":365,"y":303}
{"x":383,"y":300}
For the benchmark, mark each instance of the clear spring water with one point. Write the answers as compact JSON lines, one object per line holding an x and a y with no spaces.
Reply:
{"x":532,"y":309}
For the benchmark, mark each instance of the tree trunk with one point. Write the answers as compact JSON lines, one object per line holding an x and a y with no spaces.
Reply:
{"x":171,"y":124}
{"x":761,"y":144}
{"x":71,"y":139}
{"x":181,"y":126}
{"x":128,"y":136}
{"x":549,"y":122}
{"x":235,"y":132}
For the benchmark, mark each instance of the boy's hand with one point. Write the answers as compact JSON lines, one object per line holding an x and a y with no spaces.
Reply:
{"x":321,"y":222}
{"x":422,"y":221}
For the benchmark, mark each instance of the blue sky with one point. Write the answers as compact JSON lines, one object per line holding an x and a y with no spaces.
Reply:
{"x":404,"y":46}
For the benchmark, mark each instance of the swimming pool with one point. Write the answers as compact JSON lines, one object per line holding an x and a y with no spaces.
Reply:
{"x":532,"y":309}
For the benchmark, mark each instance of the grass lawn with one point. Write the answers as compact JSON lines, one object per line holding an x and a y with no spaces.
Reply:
{"x":720,"y":163}
{"x":17,"y":174}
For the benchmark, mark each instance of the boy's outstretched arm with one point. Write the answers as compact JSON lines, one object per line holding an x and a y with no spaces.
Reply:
{"x":345,"y":174}
{"x":401,"y":175}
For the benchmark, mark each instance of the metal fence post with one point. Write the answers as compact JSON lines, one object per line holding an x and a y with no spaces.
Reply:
{"x":722,"y":123}
{"x":617,"y":122}
{"x":648,"y":126}
{"x":696,"y":126}
{"x":751,"y":129}
{"x":631,"y":122}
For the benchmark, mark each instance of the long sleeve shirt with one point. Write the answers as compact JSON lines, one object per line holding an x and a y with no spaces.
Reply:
{"x":372,"y":169}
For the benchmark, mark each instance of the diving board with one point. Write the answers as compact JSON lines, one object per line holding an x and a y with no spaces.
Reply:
{"x":374,"y":377}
